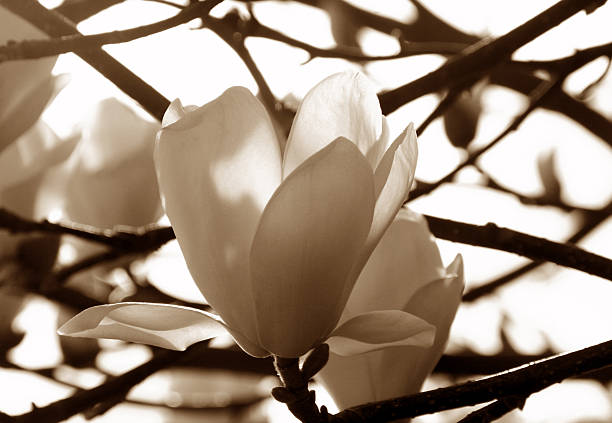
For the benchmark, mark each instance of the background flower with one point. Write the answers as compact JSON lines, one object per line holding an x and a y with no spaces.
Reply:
{"x":404,"y":272}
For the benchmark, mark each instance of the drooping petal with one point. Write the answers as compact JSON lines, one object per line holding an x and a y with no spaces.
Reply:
{"x":112,"y":179}
{"x":342,"y":105}
{"x":217,"y":166}
{"x":163,"y":325}
{"x":405,"y":259}
{"x":380,"y":329}
{"x":436,"y":302}
{"x":309,"y":235}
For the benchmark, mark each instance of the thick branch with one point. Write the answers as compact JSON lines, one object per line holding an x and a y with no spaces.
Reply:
{"x":484,"y":55}
{"x":522,"y":381}
{"x":535,"y":248}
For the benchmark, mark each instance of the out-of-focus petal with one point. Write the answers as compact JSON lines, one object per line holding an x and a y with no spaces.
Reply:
{"x":24,"y":113}
{"x":162,"y":325}
{"x":342,"y":105}
{"x":309,"y":236}
{"x":405,"y":259}
{"x":25,"y":85}
{"x":112,"y":180}
{"x":38,"y":149}
{"x":436,"y":302}
{"x":380,"y":329}
{"x":217,"y":167}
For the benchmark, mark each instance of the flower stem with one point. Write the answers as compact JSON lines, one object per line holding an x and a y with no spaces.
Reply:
{"x":300,"y":401}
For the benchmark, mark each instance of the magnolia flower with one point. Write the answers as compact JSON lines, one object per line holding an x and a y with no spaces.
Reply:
{"x":405,"y":272}
{"x":275,"y":243}
{"x":110,"y":179}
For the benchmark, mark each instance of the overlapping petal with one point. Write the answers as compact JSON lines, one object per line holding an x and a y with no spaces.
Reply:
{"x":342,"y":105}
{"x":309,"y":236}
{"x":217,"y":167}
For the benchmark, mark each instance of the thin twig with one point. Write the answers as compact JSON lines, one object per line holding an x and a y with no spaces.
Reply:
{"x":495,"y":410}
{"x":536,"y":99}
{"x":34,"y":49}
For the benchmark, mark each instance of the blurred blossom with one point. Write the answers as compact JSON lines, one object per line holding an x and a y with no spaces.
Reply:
{"x":276,"y":245}
{"x":28,"y":147}
{"x":110,"y":179}
{"x":25,"y":85}
{"x":404,"y":272}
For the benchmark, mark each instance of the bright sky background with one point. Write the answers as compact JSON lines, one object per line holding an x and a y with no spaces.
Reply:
{"x":564,"y":307}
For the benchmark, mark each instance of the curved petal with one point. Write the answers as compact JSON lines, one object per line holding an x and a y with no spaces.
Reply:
{"x":309,"y":235}
{"x":405,"y":259}
{"x":217,"y":166}
{"x":342,"y":105}
{"x":380,"y":329}
{"x":162,"y":325}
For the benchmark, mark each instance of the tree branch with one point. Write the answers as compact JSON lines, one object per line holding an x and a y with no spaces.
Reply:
{"x":55,"y":25}
{"x":34,"y":49}
{"x":119,"y":386}
{"x":484,"y":55}
{"x":535,"y":248}
{"x":522,"y":381}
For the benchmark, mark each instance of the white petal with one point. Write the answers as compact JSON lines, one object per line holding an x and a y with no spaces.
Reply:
{"x":376,"y":330}
{"x":217,"y":167}
{"x":307,"y":240}
{"x":342,"y":105}
{"x":405,"y":259}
